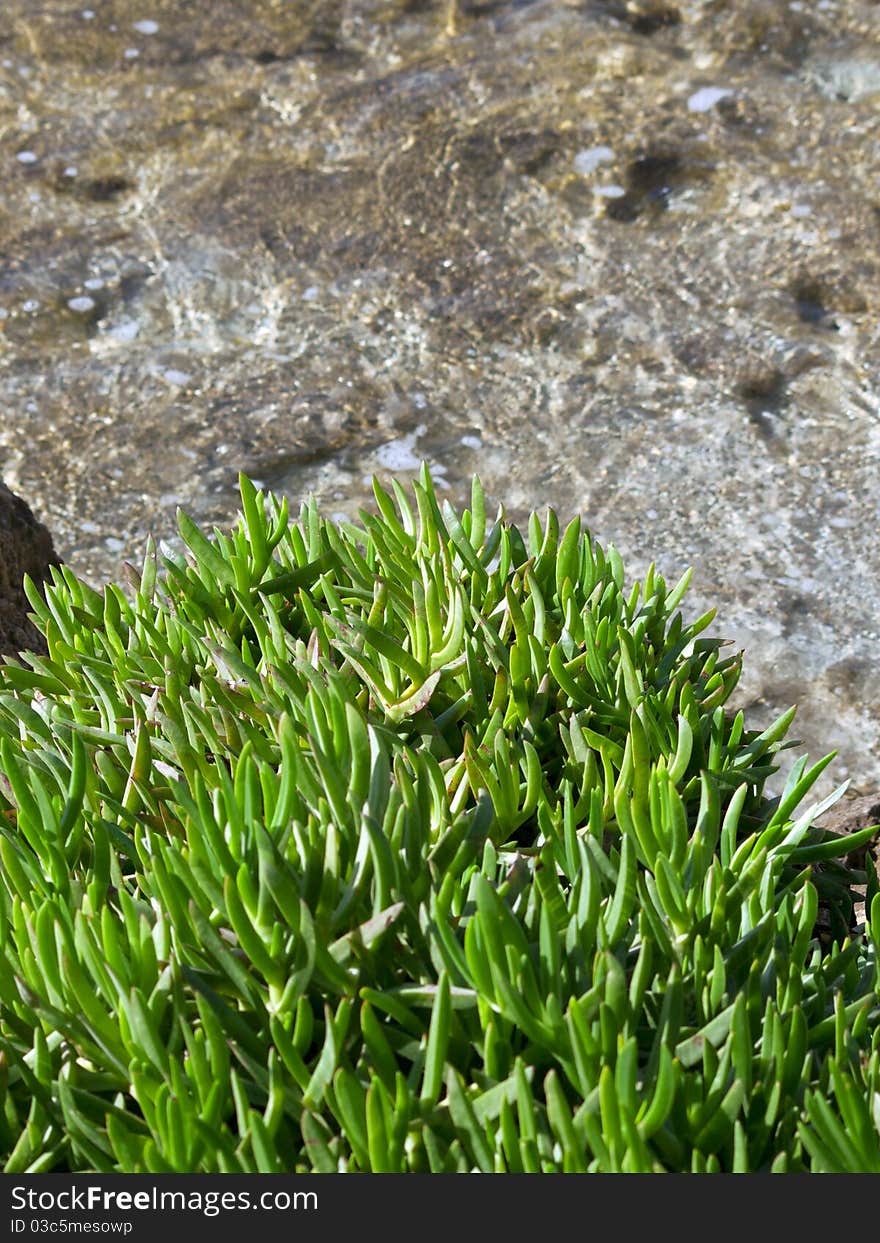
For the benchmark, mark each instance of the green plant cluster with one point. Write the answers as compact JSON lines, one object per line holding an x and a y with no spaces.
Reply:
{"x":415,"y":845}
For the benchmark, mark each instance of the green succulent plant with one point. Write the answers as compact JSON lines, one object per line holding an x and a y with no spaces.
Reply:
{"x":422,"y":844}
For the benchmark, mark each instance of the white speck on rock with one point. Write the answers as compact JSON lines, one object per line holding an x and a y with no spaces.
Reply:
{"x":707,"y":97}
{"x":27,"y":157}
{"x":400,"y":454}
{"x":610,"y":192}
{"x":586,"y":162}
{"x":81,"y":304}
{"x":125,"y":330}
{"x":146,"y":27}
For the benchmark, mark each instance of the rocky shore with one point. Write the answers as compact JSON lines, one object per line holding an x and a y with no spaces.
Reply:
{"x":618,"y":257}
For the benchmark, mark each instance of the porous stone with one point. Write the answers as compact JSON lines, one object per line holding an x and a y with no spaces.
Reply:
{"x":853,"y":814}
{"x":25,"y":548}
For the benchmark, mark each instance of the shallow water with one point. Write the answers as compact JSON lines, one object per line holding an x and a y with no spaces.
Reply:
{"x":617,"y":258}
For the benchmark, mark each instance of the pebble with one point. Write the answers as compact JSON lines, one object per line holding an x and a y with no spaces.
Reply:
{"x":707,"y":97}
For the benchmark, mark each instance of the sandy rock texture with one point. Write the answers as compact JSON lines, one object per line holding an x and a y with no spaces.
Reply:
{"x":619,"y":257}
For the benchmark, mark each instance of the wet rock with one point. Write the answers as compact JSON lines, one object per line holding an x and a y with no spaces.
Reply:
{"x":620,"y":256}
{"x":25,"y":548}
{"x":646,"y":17}
{"x":845,"y":78}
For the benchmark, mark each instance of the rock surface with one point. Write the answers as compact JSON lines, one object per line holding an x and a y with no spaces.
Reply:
{"x":848,"y":816}
{"x":25,"y":548}
{"x":852,"y":814}
{"x":620,"y":256}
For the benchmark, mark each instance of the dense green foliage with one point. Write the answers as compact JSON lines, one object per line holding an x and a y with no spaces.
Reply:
{"x":415,"y":845}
